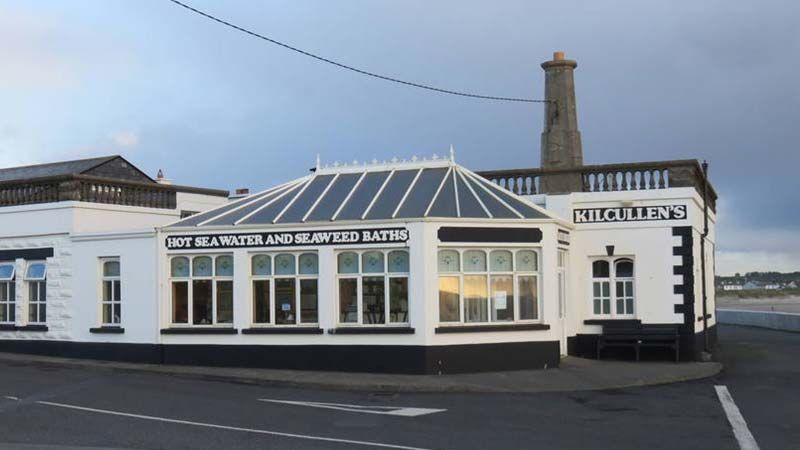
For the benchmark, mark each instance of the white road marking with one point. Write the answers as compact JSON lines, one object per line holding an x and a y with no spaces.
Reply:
{"x":11,"y":397}
{"x":740,"y":430}
{"x":230,"y":428}
{"x":384,"y":410}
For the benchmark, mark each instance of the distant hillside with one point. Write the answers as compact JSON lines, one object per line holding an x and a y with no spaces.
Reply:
{"x":760,"y":278}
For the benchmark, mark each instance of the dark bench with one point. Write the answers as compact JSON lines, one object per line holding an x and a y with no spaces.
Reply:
{"x":638,"y":336}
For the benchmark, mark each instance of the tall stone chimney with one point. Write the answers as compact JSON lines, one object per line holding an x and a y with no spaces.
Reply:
{"x":561,"y":140}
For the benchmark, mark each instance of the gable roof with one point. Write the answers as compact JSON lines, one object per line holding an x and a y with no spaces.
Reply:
{"x":73,"y":167}
{"x":416,"y":190}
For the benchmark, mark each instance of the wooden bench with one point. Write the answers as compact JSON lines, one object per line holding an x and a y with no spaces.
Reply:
{"x":638,"y":336}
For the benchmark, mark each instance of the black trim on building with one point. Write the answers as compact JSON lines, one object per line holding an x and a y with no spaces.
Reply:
{"x":491,"y":328}
{"x":188,"y":330}
{"x":26,"y":253}
{"x":32,"y":328}
{"x":410,"y":359}
{"x":488,"y":234}
{"x":107,"y":330}
{"x":621,"y":322}
{"x":283,"y":330}
{"x":371,"y":330}
{"x":7,"y":327}
{"x":685,"y":289}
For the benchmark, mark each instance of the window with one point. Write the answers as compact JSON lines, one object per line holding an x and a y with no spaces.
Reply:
{"x":111,"y":305}
{"x":36,"y":279}
{"x":202,"y":289}
{"x":285,"y":288}
{"x":616,"y":273}
{"x":7,"y":293}
{"x":373,"y":287}
{"x":488,"y":285}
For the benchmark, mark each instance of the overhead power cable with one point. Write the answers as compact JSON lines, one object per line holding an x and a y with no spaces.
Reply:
{"x":355,"y":69}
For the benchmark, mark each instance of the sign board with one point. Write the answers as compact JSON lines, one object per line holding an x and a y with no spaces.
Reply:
{"x":287,"y":238}
{"x":629,"y":214}
{"x":500,"y":300}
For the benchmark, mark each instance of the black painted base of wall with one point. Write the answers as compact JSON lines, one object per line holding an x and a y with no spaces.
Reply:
{"x":345,"y":358}
{"x":585,"y":346}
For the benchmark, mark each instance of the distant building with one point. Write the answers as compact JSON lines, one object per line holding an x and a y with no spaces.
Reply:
{"x":732,"y":287}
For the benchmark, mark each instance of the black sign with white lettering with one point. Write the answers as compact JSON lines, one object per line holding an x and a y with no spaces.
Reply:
{"x":287,"y":238}
{"x":629,"y":214}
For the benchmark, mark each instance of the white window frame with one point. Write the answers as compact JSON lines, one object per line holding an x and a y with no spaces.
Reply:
{"x":358,"y":276}
{"x":113,"y":301}
{"x":516,"y":274}
{"x":271,"y":278}
{"x":8,"y":284}
{"x":612,"y":280}
{"x":190,"y":279}
{"x":40,"y":284}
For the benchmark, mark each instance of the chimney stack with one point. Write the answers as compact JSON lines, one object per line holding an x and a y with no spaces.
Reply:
{"x":561,"y":140}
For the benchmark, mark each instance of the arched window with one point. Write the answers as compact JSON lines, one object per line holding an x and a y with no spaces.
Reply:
{"x":287,"y":295}
{"x":202,"y":289}
{"x":612,"y":284}
{"x":376,"y":292}
{"x":112,"y":293}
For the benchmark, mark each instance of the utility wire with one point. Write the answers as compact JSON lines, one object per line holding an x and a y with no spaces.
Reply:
{"x":354,"y":69}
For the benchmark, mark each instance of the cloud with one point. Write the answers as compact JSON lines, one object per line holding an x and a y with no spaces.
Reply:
{"x":125,"y":139}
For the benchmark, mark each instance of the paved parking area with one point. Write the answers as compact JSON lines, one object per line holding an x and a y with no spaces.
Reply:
{"x":50,"y":405}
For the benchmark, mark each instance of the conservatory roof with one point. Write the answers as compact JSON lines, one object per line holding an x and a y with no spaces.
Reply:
{"x":397,"y":190}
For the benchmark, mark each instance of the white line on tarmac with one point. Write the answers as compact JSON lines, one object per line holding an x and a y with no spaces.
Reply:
{"x":11,"y":397}
{"x":225,"y":427}
{"x":740,"y":430}
{"x":383,"y":410}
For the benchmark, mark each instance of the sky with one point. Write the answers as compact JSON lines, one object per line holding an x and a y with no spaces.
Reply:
{"x":212,"y":107}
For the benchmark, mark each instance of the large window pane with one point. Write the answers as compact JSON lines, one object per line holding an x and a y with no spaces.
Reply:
{"x":179,"y":267}
{"x":448,"y":261}
{"x":398,"y":261}
{"x":372,"y":262}
{"x":202,"y":302}
{"x":348,"y":300}
{"x":448,"y":299}
{"x":502,"y":297}
{"x":347,"y":262}
{"x":180,"y":302}
{"x":374,"y":300}
{"x":398,"y":300}
{"x":201,"y":266}
{"x":308,"y":301}
{"x":285,"y":309}
{"x":500,"y":261}
{"x":261,"y":265}
{"x":107,"y":291}
{"x":528,"y":298}
{"x":225,"y":301}
{"x":474,"y":261}
{"x":261,"y":306}
{"x":36,"y":271}
{"x":284,"y":265}
{"x":309,"y":264}
{"x":6,"y":271}
{"x":475,"y":299}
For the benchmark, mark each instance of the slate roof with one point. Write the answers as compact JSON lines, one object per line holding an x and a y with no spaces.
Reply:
{"x":75,"y":167}
{"x":436,"y":189}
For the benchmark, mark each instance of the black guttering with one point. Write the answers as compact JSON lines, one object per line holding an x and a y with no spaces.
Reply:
{"x":489,"y":234}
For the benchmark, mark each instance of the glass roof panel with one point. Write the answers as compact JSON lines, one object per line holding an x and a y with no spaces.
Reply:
{"x":524,"y":209}
{"x":230,"y":219}
{"x":422,"y":193}
{"x":362,"y":196}
{"x":391,"y":195}
{"x":467,"y":203}
{"x":197,"y":218}
{"x":301,"y":206}
{"x":497,"y":209}
{"x":445,"y":204}
{"x":334,"y":197}
{"x":267,"y":215}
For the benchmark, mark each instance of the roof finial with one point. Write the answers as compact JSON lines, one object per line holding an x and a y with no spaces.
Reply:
{"x":452,"y":154}
{"x":318,"y":162}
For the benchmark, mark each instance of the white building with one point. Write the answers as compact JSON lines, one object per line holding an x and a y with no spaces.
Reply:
{"x":411,"y":266}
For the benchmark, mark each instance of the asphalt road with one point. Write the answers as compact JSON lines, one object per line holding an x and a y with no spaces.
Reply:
{"x":43,"y":406}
